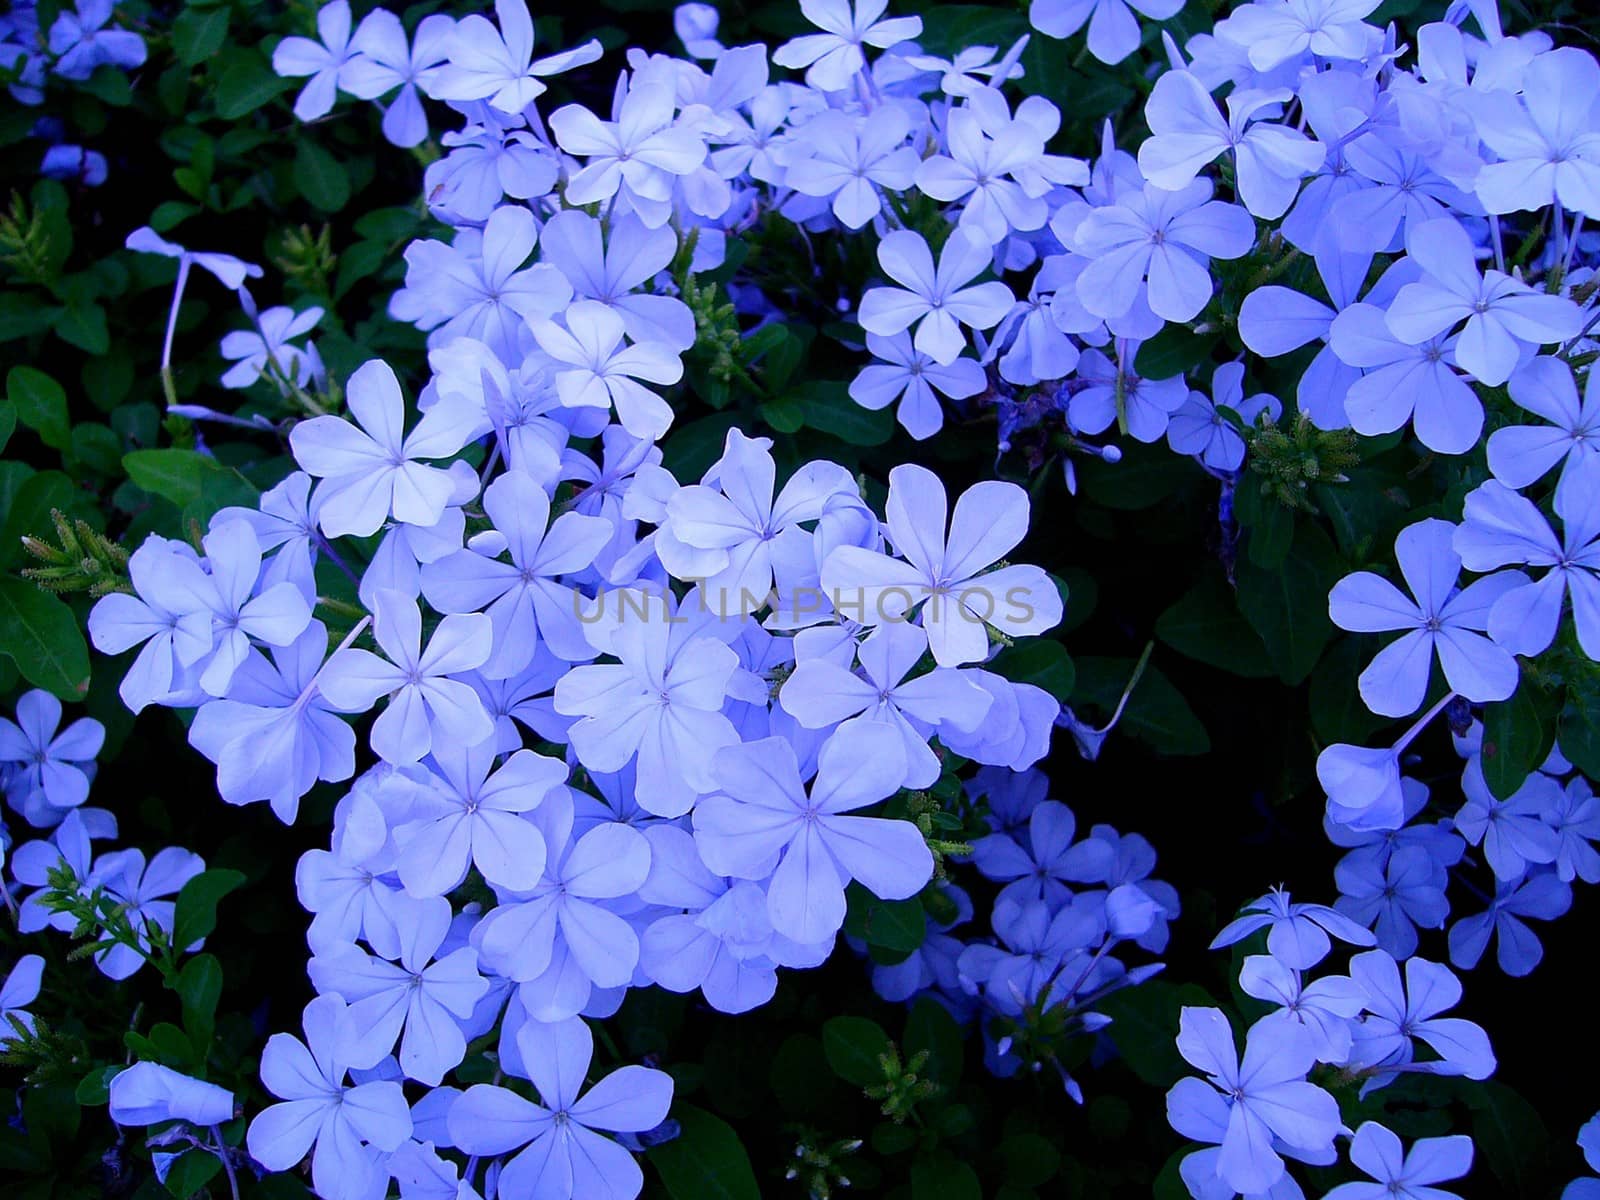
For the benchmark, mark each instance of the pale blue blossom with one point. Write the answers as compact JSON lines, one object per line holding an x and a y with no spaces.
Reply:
{"x":497,"y":64}
{"x":344,"y":1128}
{"x":52,"y":766}
{"x":761,"y":821}
{"x":1400,"y":1174}
{"x":937,"y":300}
{"x":323,"y":60}
{"x":560,"y":1156}
{"x":1113,"y":29}
{"x":834,"y":57}
{"x":424,"y":700}
{"x":148,"y":1093}
{"x":1266,"y":1095}
{"x":372,"y":469}
{"x":1442,"y":619}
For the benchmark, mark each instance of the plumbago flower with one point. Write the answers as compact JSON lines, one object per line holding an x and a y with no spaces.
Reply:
{"x":1297,"y":934}
{"x":1188,"y":132}
{"x":497,"y":65}
{"x":945,"y":573}
{"x":560,"y":1156}
{"x":324,"y":61}
{"x":593,"y":369}
{"x":349,"y":1127}
{"x":847,"y":159}
{"x":833,"y":58}
{"x":526,"y":605}
{"x":427,"y":994}
{"x":762,"y":812}
{"x":478,"y":287}
{"x":1251,"y":1106}
{"x":424,"y":701}
{"x":383,"y":60}
{"x":1441,"y":619}
{"x":595,"y":776}
{"x":1502,"y":314}
{"x":660,"y":705}
{"x":916,"y":381}
{"x":373,"y":470}
{"x":51,"y":766}
{"x":822,"y":693}
{"x":1164,"y":239}
{"x":936,"y":300}
{"x":1113,"y":29}
{"x":1521,"y":455}
{"x":737,"y":535}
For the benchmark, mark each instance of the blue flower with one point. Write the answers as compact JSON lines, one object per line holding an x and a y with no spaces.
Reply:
{"x":560,"y":1156}
{"x":1403,"y":1175}
{"x":1249,"y":1105}
{"x":1442,"y":619}
{"x":762,"y":822}
{"x":52,"y":769}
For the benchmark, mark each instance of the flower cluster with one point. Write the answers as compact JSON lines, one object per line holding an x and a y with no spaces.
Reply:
{"x":597,"y":722}
{"x":1062,"y":907}
{"x":629,"y":729}
{"x":1260,"y":1108}
{"x":78,"y":42}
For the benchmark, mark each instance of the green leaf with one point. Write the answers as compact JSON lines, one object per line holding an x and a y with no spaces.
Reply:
{"x":706,"y":1161}
{"x":169,"y":214}
{"x":1030,"y":1160}
{"x":191,"y":1171}
{"x":110,"y":84}
{"x":828,"y":407}
{"x":84,"y":326}
{"x":187,"y":477}
{"x":1337,"y":712}
{"x":785,"y":414}
{"x":1579,"y":735}
{"x":1271,"y":528}
{"x":390,"y":225}
{"x":246,"y":85}
{"x":1144,"y":1026}
{"x":165,"y":1044}
{"x":198,"y":33}
{"x":1288,"y":606}
{"x":853,"y":1046}
{"x":41,"y":405}
{"x":782,"y":359}
{"x":930,"y":1027}
{"x":98,"y":447}
{"x":1517,"y":736}
{"x":899,"y":926}
{"x":1511,"y":1138}
{"x":199,"y":988}
{"x":22,"y":315}
{"x":1176,"y":350}
{"x":889,"y":1138}
{"x":943,"y":1176}
{"x":690,"y":449}
{"x":362,"y":260}
{"x":40,"y":634}
{"x":94,"y":1088}
{"x":951,"y":28}
{"x":1041,"y":662}
{"x":8,"y":421}
{"x":1145,"y":476}
{"x":320,"y":177}
{"x":196,"y":914}
{"x":1205,"y":625}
